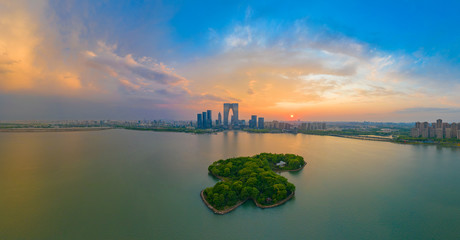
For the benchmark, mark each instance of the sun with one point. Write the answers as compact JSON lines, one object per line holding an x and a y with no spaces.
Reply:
{"x":292,"y":115}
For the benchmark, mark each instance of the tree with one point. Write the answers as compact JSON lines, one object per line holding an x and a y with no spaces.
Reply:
{"x":215,"y":171}
{"x":237,"y":185}
{"x":251,"y":177}
{"x":251,"y":181}
{"x":245,"y":192}
{"x":232,"y":198}
{"x":294,"y":163}
{"x":280,"y":191}
{"x":226,"y":172}
{"x":254,"y":193}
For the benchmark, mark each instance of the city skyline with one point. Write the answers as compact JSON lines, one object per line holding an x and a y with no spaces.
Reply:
{"x":385,"y":61}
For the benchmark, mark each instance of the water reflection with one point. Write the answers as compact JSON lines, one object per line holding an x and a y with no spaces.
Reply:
{"x":146,"y":184}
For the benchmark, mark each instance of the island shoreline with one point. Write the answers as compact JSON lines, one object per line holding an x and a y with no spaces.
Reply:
{"x":239,"y":203}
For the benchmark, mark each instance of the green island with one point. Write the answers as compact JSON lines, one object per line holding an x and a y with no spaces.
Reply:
{"x":245,"y":178}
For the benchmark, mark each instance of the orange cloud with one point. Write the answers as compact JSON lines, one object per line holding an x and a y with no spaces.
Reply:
{"x":18,"y":41}
{"x":30,"y":52}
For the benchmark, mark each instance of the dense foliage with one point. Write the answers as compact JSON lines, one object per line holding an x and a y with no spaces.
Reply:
{"x":251,"y":177}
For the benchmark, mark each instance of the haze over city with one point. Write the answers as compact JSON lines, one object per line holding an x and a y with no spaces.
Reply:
{"x":315,"y":61}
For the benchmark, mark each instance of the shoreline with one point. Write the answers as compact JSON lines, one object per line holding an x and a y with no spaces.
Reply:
{"x":220,"y":212}
{"x":357,"y":137}
{"x":276,"y":204}
{"x":239,"y":203}
{"x":75,"y":129}
{"x":293,"y":170}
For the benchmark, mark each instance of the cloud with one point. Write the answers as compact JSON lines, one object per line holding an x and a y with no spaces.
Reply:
{"x":266,"y":65}
{"x":145,"y":78}
{"x":251,"y":87}
{"x":145,"y":68}
{"x":35,"y":57}
{"x":18,"y":40}
{"x":377,"y":91}
{"x":241,"y":37}
{"x":289,"y":65}
{"x":215,"y":98}
{"x":427,"y":110}
{"x":43,"y":52}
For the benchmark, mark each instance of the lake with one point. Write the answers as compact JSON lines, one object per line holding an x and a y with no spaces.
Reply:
{"x":121,"y":184}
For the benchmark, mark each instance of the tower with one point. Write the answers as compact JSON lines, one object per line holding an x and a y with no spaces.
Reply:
{"x":209,"y":118}
{"x":253,"y":122}
{"x":219,"y":119}
{"x":261,"y":123}
{"x":199,"y":121}
{"x":439,"y":123}
{"x":234,"y":108}
{"x":204,"y":119}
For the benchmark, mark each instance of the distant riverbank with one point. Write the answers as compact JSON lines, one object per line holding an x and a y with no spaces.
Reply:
{"x":399,"y":140}
{"x":73,"y":129}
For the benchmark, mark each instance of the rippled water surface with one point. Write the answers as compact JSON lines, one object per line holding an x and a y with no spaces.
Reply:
{"x":121,"y":184}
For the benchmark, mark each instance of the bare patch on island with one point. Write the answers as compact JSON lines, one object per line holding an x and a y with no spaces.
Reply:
{"x":245,"y":178}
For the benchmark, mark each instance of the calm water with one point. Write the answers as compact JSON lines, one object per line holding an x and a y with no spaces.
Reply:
{"x":121,"y":184}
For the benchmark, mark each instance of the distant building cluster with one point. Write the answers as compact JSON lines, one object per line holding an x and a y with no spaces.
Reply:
{"x":255,"y":123}
{"x":302,"y":126}
{"x":436,"y":130}
{"x":204,"y":119}
{"x":278,"y":125}
{"x":313,"y":126}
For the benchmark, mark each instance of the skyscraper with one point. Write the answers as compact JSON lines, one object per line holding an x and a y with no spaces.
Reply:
{"x":199,"y":121}
{"x":253,"y":122}
{"x":204,"y":119}
{"x":219,"y":119}
{"x":439,"y":123}
{"x":261,"y":123}
{"x":209,"y":118}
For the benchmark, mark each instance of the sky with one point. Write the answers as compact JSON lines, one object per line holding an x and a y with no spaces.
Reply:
{"x":395,"y":61}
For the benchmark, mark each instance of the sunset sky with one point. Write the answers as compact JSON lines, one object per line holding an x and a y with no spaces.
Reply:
{"x":315,"y":60}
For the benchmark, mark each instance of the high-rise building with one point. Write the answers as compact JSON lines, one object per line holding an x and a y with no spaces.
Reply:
{"x":436,"y":130}
{"x":253,"y":121}
{"x":439,"y":123}
{"x":454,"y":128}
{"x":261,"y":123}
{"x":209,"y":118}
{"x":219,"y":119}
{"x":439,"y":133}
{"x":448,"y":132}
{"x":199,"y":121}
{"x":425,"y":130}
{"x":204,"y":119}
{"x":234,"y":119}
